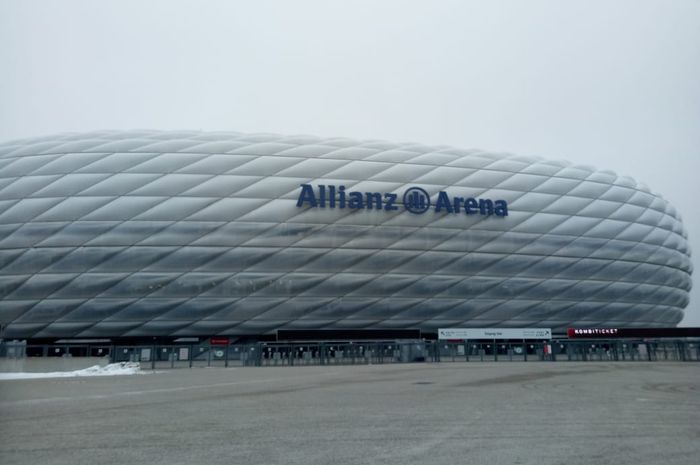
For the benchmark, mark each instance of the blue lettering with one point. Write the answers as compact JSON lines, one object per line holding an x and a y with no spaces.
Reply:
{"x":356,"y":200}
{"x":485,"y":207}
{"x":306,"y":195}
{"x":470,"y":206}
{"x":390,"y":200}
{"x":500,"y":208}
{"x":415,"y":201}
{"x":341,"y":196}
{"x":374,"y":198}
{"x":322,"y":196}
{"x":443,"y":201}
{"x":331,"y":196}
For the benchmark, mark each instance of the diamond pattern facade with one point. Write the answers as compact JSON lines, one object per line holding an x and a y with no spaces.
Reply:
{"x":145,"y":233}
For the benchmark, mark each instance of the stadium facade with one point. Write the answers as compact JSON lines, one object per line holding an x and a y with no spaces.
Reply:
{"x":164,"y":234}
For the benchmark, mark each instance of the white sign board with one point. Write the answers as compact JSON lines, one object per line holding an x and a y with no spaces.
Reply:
{"x":495,"y":333}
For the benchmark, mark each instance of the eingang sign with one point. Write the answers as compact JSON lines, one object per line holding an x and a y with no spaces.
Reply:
{"x":495,"y":333}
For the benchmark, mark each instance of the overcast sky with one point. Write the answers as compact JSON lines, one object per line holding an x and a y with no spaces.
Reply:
{"x":612,"y":84}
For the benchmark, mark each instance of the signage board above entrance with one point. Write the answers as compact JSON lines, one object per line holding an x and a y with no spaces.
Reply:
{"x":608,"y":333}
{"x":495,"y":333}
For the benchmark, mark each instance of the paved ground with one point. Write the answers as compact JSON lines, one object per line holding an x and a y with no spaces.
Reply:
{"x":491,"y":413}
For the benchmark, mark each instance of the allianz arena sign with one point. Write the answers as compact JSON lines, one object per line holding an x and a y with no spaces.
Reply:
{"x":414,"y":200}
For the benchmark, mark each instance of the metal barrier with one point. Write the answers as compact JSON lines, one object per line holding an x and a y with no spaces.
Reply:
{"x":187,"y":356}
{"x":368,"y":352}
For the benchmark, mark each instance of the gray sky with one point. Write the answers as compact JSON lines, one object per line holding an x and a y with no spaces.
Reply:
{"x":613,"y":84}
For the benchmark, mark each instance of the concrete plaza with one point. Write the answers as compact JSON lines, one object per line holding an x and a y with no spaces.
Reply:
{"x":475,"y":413}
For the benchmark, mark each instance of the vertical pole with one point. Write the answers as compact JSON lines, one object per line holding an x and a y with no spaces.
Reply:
{"x":524,"y":350}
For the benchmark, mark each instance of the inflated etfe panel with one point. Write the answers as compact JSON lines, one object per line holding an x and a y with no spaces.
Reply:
{"x":145,"y":233}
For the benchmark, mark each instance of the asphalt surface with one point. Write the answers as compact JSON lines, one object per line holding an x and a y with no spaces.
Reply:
{"x":471,"y":413}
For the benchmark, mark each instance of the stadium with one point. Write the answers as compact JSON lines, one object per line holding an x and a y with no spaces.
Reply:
{"x":147,"y":234}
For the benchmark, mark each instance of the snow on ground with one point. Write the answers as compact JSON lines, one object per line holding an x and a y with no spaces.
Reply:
{"x":113,"y":369}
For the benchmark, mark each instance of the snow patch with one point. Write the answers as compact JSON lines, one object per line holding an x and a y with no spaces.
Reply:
{"x":113,"y":369}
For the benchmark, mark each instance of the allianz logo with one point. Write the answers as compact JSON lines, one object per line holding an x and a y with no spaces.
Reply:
{"x":414,"y":200}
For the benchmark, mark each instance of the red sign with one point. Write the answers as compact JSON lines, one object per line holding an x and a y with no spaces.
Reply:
{"x":219,"y":341}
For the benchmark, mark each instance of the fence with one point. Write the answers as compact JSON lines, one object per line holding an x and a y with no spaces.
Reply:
{"x":351,"y":353}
